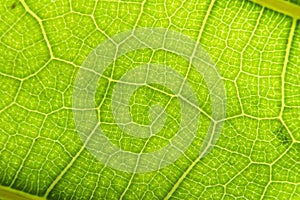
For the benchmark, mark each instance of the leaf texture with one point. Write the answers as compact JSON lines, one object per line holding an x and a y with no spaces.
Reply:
{"x":254,"y":47}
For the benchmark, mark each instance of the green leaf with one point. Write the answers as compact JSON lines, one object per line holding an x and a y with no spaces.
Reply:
{"x":47,"y":150}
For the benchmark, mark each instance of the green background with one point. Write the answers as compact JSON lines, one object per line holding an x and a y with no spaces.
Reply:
{"x":256,"y":50}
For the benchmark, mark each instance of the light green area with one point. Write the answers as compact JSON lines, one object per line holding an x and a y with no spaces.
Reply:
{"x":7,"y":193}
{"x":256,"y":50}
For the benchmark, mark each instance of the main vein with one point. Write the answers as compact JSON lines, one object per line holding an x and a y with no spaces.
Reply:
{"x":281,"y":6}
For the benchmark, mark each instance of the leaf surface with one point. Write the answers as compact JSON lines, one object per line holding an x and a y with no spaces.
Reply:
{"x":255,"y":47}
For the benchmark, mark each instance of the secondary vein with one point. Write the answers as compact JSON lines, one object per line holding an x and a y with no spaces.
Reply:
{"x":176,"y":185}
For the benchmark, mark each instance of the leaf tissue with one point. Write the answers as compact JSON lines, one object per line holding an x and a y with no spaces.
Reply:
{"x":147,"y":99}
